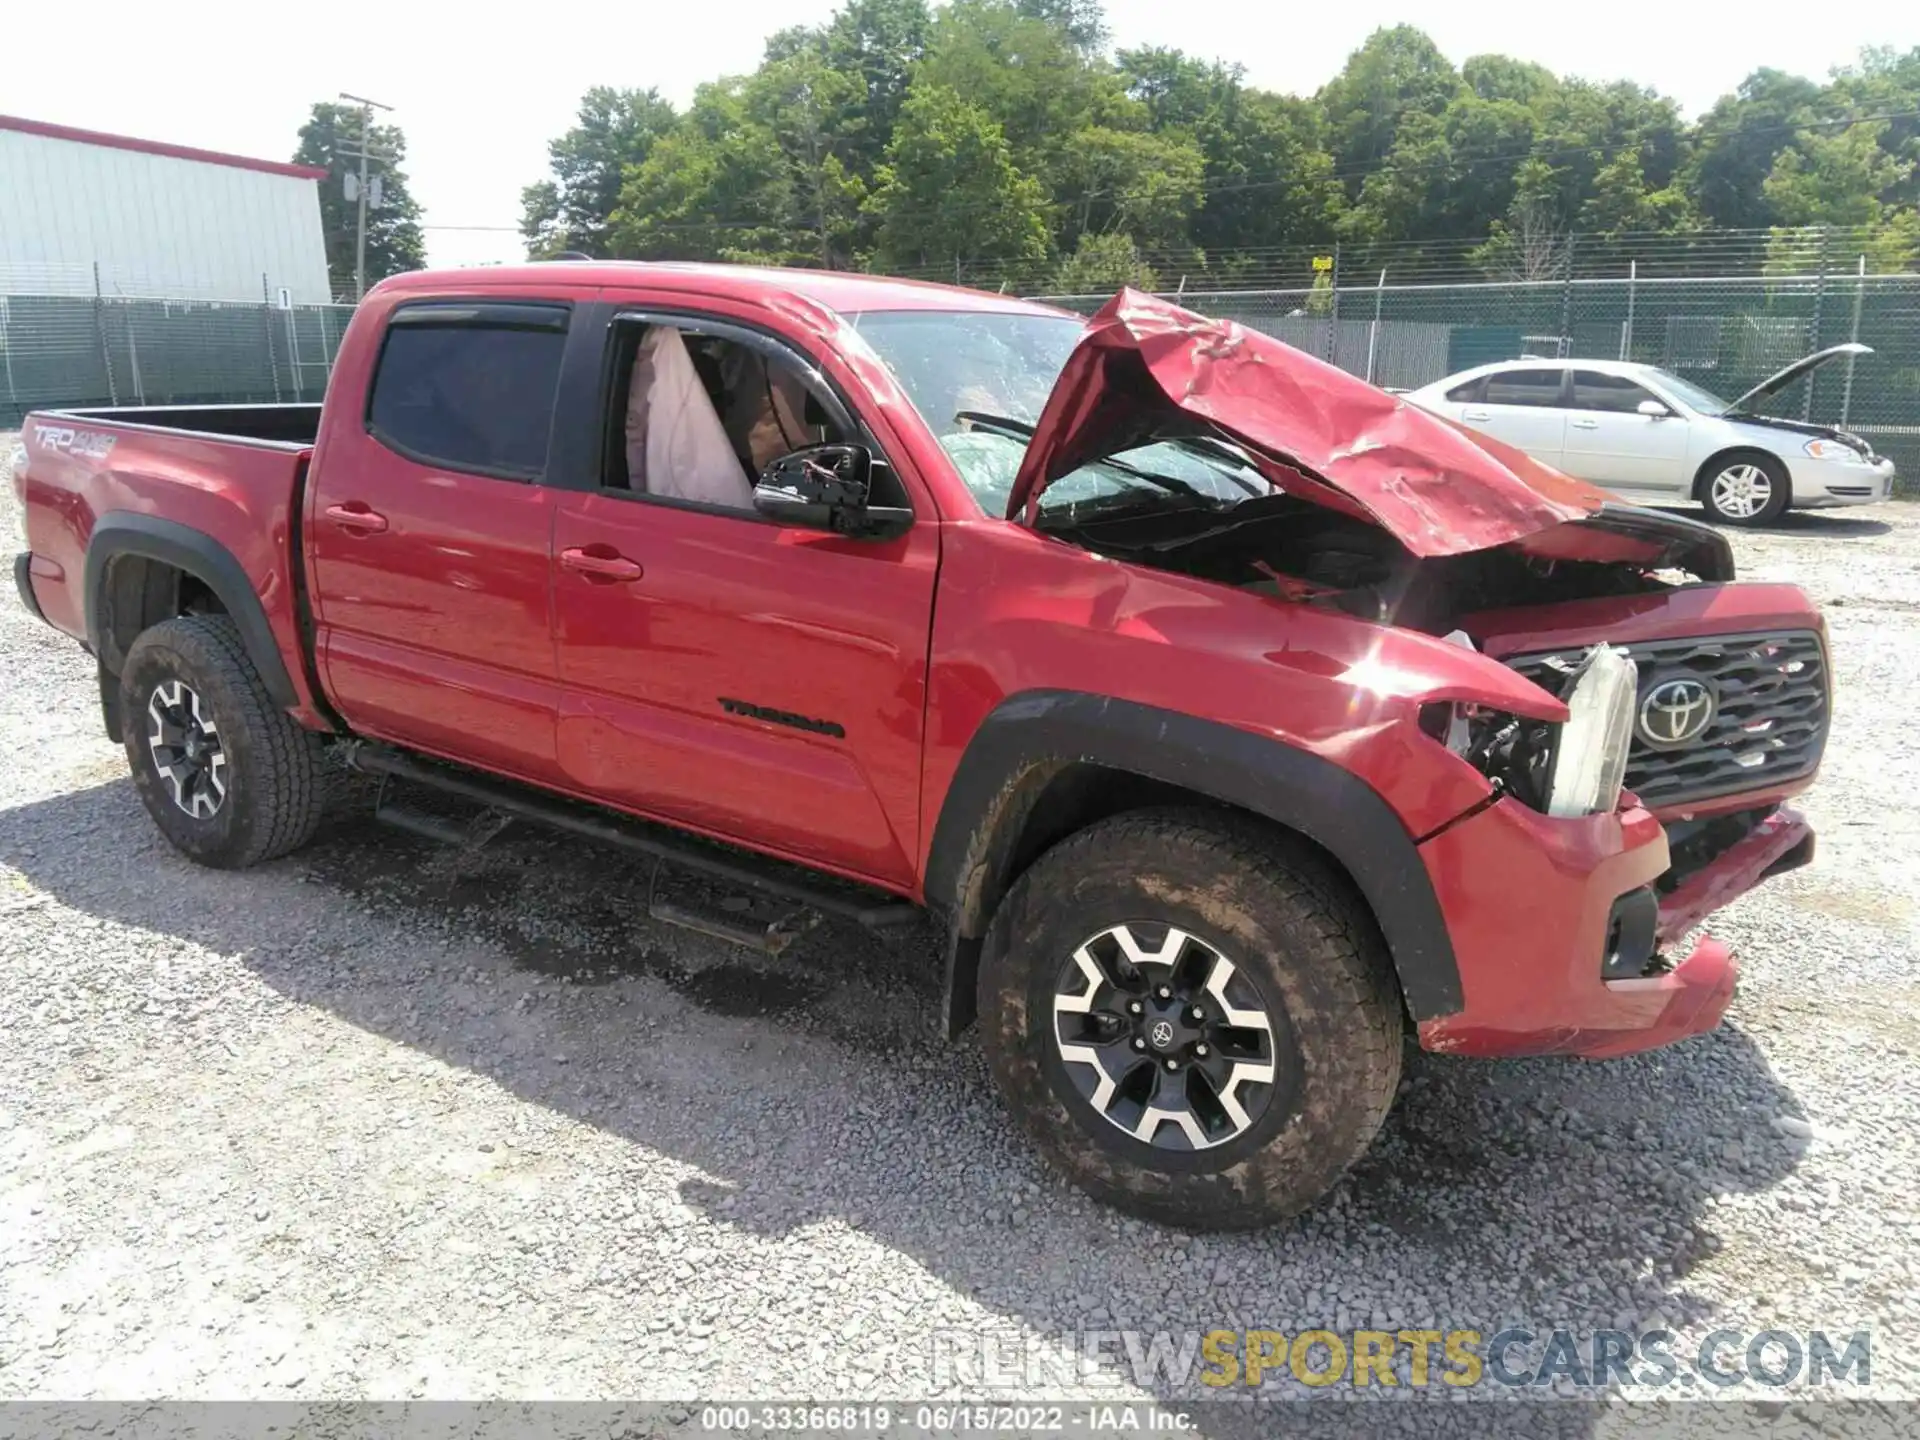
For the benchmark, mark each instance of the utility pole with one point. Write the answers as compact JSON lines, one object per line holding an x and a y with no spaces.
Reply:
{"x":361,"y":190}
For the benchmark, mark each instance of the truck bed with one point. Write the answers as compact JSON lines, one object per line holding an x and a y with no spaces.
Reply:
{"x":278,"y":424}
{"x":210,"y":489}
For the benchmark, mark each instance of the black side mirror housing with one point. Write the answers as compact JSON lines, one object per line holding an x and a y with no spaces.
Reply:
{"x":829,"y":487}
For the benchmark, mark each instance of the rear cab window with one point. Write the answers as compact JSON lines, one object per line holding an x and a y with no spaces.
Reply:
{"x":470,"y":386}
{"x":1524,"y":387}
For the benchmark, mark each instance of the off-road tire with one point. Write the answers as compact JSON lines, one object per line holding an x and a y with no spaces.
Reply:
{"x":1731,"y":464}
{"x":1271,"y":905}
{"x":275,"y":775}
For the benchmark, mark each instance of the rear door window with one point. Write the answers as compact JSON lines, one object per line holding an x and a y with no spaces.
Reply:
{"x":470,"y":387}
{"x":1524,"y":387}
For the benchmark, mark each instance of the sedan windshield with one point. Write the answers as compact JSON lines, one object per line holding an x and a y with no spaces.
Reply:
{"x":1694,"y":397}
{"x":980,"y":380}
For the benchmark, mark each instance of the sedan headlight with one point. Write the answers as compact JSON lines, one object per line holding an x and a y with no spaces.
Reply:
{"x":1835,"y":450}
{"x":1590,"y":760}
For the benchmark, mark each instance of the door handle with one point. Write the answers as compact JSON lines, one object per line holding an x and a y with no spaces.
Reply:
{"x":1475,"y":415}
{"x":1584,"y":424}
{"x":355,"y":515}
{"x":601,"y":564}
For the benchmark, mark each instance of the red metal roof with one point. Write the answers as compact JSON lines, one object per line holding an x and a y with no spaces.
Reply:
{"x":159,"y":147}
{"x":846,"y":291}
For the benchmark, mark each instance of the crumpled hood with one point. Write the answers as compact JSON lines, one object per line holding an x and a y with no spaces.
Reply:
{"x":1146,"y":369}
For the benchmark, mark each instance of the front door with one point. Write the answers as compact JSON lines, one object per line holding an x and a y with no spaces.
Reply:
{"x":427,"y":538}
{"x":1609,"y":442}
{"x":753,"y":680}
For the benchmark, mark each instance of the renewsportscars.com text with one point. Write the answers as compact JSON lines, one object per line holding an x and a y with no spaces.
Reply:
{"x":1518,"y":1357}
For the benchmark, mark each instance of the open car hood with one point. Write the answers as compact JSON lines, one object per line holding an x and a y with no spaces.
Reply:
{"x":1148,"y":370}
{"x":1780,"y":379}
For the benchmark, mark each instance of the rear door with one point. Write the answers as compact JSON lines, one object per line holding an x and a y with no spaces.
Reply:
{"x":762,"y":682}
{"x":427,"y":537}
{"x":1609,"y":442}
{"x":1524,"y":408}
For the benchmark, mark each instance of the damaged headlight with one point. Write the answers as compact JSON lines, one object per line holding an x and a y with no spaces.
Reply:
{"x":1590,"y":760}
{"x":1570,"y":769}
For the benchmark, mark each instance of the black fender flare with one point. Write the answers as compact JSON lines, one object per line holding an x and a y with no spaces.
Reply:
{"x":126,"y":532}
{"x":1033,"y":736}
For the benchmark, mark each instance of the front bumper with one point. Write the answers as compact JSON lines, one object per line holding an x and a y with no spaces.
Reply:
{"x":1818,"y":483}
{"x":1532,"y":906}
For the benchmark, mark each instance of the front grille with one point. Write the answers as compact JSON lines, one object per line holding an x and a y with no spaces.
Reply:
{"x":1769,"y":719}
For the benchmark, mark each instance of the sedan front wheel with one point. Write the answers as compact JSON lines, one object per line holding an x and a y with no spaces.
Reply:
{"x":1746,"y":489}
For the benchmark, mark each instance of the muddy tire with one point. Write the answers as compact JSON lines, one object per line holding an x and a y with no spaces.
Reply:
{"x":1192,"y":1017}
{"x":228,"y":777}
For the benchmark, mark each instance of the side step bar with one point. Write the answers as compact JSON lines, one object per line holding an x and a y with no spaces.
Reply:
{"x":864,"y":906}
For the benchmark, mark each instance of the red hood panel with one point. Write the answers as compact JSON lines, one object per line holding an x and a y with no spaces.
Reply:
{"x":1146,"y":368}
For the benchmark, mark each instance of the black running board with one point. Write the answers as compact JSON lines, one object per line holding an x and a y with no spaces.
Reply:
{"x":846,"y":900}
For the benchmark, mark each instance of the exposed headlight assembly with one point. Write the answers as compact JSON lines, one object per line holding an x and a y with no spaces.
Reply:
{"x":1590,"y":760}
{"x":1571,"y":769}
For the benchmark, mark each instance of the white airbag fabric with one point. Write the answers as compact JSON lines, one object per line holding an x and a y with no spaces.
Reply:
{"x":676,"y":445}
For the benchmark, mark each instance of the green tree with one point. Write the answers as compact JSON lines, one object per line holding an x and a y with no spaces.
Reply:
{"x":950,"y":192}
{"x":719,"y":186}
{"x":394,"y":242}
{"x":1842,"y":178}
{"x":1130,"y":181}
{"x":1395,"y":73}
{"x":1102,"y":264}
{"x":1737,"y":142}
{"x":1501,"y":77}
{"x":1267,"y":179}
{"x":1030,"y":76}
{"x":573,"y":210}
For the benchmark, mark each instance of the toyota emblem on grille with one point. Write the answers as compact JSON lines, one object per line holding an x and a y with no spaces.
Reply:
{"x":1675,"y":712}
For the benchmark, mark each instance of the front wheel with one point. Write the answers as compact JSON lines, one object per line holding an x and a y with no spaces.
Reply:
{"x":1192,"y":1017}
{"x":1746,"y":489}
{"x":228,"y":777}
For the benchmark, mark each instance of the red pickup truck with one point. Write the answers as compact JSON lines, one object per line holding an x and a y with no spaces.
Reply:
{"x":1232,"y":717}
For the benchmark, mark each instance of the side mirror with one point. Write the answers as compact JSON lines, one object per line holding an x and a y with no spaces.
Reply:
{"x":1653,"y":409}
{"x":828,"y":487}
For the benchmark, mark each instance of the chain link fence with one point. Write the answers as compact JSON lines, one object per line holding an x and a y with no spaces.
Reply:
{"x":1801,"y":291}
{"x":63,"y":350}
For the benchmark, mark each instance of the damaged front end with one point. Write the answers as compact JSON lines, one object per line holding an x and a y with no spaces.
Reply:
{"x":1692,"y":707}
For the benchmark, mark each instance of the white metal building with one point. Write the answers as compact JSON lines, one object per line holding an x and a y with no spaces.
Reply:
{"x":158,"y":220}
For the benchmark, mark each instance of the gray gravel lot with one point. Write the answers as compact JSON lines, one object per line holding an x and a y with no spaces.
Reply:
{"x":382,"y":1120}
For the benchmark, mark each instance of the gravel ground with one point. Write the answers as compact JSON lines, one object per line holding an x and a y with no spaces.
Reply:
{"x":382,"y":1120}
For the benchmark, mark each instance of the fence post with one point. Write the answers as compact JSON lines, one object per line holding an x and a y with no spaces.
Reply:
{"x":100,"y":327}
{"x":266,"y":326}
{"x":1332,"y":357}
{"x":1566,"y":305}
{"x":1626,"y":331}
{"x":1846,"y":388}
{"x":1819,"y":303}
{"x":1373,"y":330}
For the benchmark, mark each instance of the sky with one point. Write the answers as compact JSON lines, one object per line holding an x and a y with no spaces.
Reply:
{"x":479,"y":98}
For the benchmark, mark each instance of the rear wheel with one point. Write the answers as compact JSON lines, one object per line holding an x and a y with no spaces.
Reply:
{"x":1192,"y":1017}
{"x":1746,"y":487}
{"x":228,"y":777}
